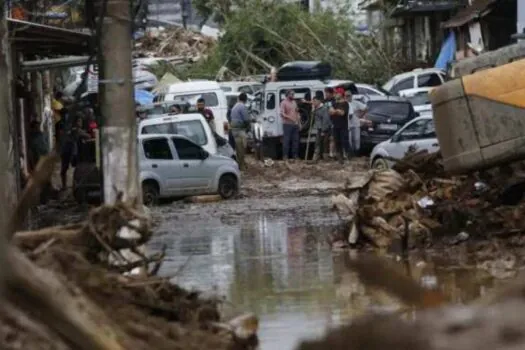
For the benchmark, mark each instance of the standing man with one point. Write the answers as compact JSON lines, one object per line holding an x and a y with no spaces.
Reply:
{"x":240,"y":121}
{"x":290,"y":117}
{"x":329,"y":102}
{"x":357,"y":110}
{"x":322,"y":125}
{"x":339,"y":116}
{"x":206,"y":113}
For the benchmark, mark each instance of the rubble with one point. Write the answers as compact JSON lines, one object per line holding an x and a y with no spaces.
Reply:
{"x":73,"y":284}
{"x":174,"y":41}
{"x":416,"y":204}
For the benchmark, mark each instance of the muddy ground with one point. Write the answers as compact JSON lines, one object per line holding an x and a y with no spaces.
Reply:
{"x":300,"y":191}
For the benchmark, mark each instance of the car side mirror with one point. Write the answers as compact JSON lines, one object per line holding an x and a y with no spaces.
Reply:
{"x":417,"y":114}
{"x":204,"y":154}
{"x":396,"y":138}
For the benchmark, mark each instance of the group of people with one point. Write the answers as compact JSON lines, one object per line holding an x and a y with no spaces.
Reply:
{"x":337,"y":122}
{"x":73,"y":127}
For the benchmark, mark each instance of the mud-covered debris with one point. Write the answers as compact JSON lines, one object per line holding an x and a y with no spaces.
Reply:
{"x":145,"y":311}
{"x":175,"y":41}
{"x":417,"y":202}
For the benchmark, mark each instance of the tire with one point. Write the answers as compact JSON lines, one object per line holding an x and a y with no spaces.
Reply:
{"x":380,"y":164}
{"x":228,"y":186}
{"x":150,"y":193}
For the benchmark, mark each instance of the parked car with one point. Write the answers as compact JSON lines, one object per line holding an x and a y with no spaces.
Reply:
{"x":388,"y":114}
{"x":417,"y":134}
{"x":417,"y":78}
{"x":191,"y":125}
{"x":174,"y":165}
{"x":419,"y":98}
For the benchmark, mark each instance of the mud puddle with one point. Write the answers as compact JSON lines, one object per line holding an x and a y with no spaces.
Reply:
{"x":277,"y":264}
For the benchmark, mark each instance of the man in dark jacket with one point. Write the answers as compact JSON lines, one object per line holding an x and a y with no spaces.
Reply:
{"x":322,"y":125}
{"x":339,"y":116}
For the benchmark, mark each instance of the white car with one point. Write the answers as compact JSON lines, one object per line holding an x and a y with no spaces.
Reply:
{"x":417,"y":78}
{"x":418,"y":134}
{"x":173,"y":165}
{"x":369,"y":90}
{"x":191,"y":125}
{"x":419,"y":99}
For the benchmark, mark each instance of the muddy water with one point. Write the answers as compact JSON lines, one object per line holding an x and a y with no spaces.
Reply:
{"x":280,"y":267}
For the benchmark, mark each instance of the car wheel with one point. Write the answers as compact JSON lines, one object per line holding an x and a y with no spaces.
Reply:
{"x":228,"y":186}
{"x":380,"y":164}
{"x":150,"y":193}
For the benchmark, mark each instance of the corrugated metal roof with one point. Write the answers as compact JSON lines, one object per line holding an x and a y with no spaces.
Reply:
{"x":406,"y":8}
{"x":479,"y":8}
{"x":33,"y":38}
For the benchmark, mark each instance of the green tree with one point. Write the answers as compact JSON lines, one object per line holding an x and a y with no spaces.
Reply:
{"x":263,"y":33}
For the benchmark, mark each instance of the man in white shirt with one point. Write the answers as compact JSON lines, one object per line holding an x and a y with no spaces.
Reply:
{"x":356,"y":111}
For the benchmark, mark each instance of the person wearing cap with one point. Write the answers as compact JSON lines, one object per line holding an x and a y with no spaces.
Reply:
{"x":291,"y":120}
{"x":322,"y":125}
{"x":339,"y":115}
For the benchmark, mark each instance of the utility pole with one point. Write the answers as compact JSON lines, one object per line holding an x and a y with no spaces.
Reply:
{"x":119,"y":129}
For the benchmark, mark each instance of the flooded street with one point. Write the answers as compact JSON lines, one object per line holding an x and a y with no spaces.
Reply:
{"x":274,"y":260}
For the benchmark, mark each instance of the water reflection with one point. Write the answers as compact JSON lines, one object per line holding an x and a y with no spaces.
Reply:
{"x":286,"y":274}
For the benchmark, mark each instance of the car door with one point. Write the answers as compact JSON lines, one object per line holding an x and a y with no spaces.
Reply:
{"x":408,"y":138}
{"x":159,"y":162}
{"x":428,"y":139}
{"x":196,"y":174}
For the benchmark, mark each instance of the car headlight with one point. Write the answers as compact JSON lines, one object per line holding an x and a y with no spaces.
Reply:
{"x":271,"y":119}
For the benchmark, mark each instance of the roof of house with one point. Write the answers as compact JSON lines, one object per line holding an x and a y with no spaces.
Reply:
{"x":479,"y":8}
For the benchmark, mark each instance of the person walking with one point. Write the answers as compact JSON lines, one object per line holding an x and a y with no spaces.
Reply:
{"x":322,"y":125}
{"x":290,"y":118}
{"x":339,"y":116}
{"x":240,"y":121}
{"x":356,"y":112}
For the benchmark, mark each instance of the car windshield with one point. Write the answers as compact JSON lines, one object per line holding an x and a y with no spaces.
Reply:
{"x":192,"y":129}
{"x":398,"y":111}
{"x":419,"y":99}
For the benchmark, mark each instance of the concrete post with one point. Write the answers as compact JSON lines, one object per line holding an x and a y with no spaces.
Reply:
{"x":119,"y":129}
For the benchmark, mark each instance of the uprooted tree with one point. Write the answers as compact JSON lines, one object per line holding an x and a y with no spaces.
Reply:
{"x":259,"y":34}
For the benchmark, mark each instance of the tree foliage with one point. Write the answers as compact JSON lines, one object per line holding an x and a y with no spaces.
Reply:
{"x":263,"y":33}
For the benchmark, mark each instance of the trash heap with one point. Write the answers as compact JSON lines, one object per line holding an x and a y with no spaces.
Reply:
{"x":416,"y":204}
{"x":92,"y":285}
{"x":174,"y":41}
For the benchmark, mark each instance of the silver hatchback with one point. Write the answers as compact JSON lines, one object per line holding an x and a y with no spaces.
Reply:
{"x":175,"y":166}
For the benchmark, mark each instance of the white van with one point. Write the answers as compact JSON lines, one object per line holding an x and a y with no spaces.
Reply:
{"x":188,"y":93}
{"x":270,"y":99}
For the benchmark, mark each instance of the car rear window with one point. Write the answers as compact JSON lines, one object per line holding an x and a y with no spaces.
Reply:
{"x":192,"y":129}
{"x":397,"y":111}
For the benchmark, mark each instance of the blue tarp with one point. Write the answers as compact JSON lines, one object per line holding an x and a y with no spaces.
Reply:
{"x":448,"y":51}
{"x":143,"y":97}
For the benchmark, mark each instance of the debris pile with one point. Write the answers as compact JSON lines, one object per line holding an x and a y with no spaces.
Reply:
{"x":415,"y":204}
{"x":76,"y":287}
{"x":175,"y":41}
